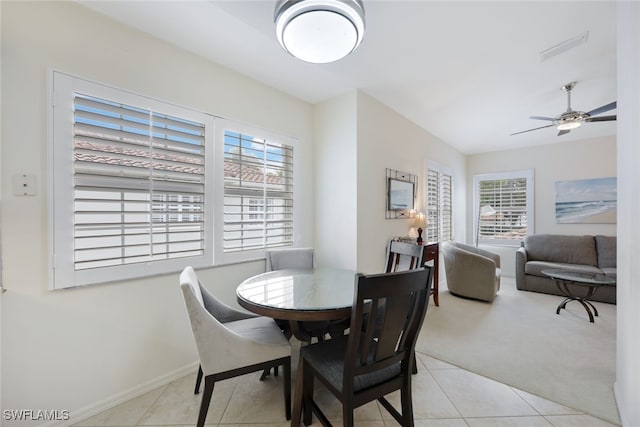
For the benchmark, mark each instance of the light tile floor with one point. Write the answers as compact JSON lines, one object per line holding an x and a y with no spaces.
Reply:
{"x":443,"y":396}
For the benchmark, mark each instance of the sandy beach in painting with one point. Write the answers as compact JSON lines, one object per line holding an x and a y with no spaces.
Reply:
{"x":608,"y":217}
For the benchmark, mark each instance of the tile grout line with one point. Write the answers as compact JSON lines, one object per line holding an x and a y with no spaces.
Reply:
{"x":446,"y":394}
{"x":524,"y":400}
{"x":164,"y":388}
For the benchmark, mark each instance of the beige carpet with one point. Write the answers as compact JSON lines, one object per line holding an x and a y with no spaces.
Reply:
{"x":520,"y":341}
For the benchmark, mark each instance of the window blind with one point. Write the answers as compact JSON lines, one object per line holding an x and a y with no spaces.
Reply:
{"x":139,"y":184}
{"x":258,"y":193}
{"x":439,"y":206}
{"x":506,"y":202}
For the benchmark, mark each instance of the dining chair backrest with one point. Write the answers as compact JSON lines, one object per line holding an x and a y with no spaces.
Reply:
{"x":387,"y":315}
{"x":220,"y":311}
{"x":230,"y":343}
{"x":189,"y":277}
{"x":402,"y":256}
{"x":281,"y":259}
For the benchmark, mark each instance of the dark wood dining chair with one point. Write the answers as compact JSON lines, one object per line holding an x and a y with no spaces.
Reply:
{"x":368,"y":363}
{"x":403,"y":256}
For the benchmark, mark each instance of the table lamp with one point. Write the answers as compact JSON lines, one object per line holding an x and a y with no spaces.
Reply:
{"x":419,"y":221}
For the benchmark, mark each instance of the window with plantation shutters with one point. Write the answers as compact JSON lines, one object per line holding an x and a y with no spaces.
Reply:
{"x":503,"y":203}
{"x":258,"y":191}
{"x":439,"y":204}
{"x":134,"y":199}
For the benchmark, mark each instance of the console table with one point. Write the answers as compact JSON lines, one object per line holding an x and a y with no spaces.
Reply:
{"x":432,"y":253}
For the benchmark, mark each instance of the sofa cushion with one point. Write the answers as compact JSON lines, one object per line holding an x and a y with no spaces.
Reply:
{"x":535,"y":267}
{"x":606,"y":248}
{"x":561,"y":249}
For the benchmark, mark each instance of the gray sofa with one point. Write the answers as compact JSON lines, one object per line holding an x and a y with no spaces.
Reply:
{"x":590,"y":254}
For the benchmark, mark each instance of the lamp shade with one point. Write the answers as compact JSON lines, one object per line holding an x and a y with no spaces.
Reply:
{"x":319,"y":31}
{"x":419,"y":221}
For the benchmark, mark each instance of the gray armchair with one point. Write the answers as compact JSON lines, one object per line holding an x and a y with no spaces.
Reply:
{"x":471,"y":272}
{"x":231,"y":343}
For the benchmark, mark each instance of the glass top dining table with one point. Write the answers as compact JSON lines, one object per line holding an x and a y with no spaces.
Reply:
{"x":299,"y":294}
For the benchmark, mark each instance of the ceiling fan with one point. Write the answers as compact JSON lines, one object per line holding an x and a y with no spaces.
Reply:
{"x":571,"y":119}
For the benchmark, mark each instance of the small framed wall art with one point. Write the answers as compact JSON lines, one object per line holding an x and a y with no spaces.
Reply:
{"x":401,"y":194}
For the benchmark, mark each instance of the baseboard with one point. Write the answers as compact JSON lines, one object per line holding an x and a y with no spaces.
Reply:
{"x":78,"y":415}
{"x":621,"y":411}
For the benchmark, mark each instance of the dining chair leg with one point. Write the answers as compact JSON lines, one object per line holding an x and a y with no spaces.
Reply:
{"x":414,"y":370}
{"x":407,"y":404}
{"x":287,"y":388}
{"x":198,"y":380}
{"x":297,"y":397}
{"x":206,"y":400}
{"x":347,"y":415}
{"x":307,"y":394}
{"x":265,"y":374}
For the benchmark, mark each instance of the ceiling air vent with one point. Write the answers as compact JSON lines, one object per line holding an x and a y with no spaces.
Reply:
{"x":564,"y":46}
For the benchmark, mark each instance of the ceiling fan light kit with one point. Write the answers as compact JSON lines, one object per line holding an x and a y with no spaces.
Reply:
{"x":572,"y":119}
{"x":569,"y":124}
{"x":319,"y":31}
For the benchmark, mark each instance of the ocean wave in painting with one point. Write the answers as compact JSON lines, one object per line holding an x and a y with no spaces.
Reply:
{"x":571,"y":212}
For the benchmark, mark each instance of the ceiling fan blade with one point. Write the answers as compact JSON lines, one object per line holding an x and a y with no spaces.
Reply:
{"x":529,"y":130}
{"x":600,"y":119}
{"x":602,"y":109}
{"x":541,"y":118}
{"x":564,"y":131}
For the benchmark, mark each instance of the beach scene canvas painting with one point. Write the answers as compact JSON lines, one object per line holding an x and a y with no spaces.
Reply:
{"x":586,"y":201}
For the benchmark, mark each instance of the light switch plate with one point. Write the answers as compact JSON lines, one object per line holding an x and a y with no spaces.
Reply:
{"x":24,"y":185}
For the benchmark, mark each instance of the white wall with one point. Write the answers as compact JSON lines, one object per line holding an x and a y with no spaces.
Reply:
{"x":627,"y":386}
{"x":583,"y":159}
{"x":388,"y":140}
{"x":335,"y":186}
{"x":80,"y":347}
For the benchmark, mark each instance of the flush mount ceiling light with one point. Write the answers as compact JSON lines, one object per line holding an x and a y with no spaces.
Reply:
{"x":319,"y":31}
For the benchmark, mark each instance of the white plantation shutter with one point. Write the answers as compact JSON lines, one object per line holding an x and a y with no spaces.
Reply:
{"x":139,"y":185}
{"x":137,"y":193}
{"x":446,"y":218}
{"x":439,"y":206}
{"x":504,"y":203}
{"x":258,"y":193}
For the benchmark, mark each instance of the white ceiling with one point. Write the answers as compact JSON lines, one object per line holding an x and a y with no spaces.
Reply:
{"x":468,"y":72}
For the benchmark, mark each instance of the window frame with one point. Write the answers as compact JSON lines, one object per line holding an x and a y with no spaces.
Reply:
{"x":60,"y":202}
{"x":220,"y":256}
{"x":528,"y":175}
{"x":440,"y":169}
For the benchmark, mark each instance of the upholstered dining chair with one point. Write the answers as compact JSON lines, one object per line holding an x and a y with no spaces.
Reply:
{"x":471,"y":272}
{"x":368,"y":363}
{"x":293,"y":258}
{"x":231,"y":343}
{"x":285,"y":258}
